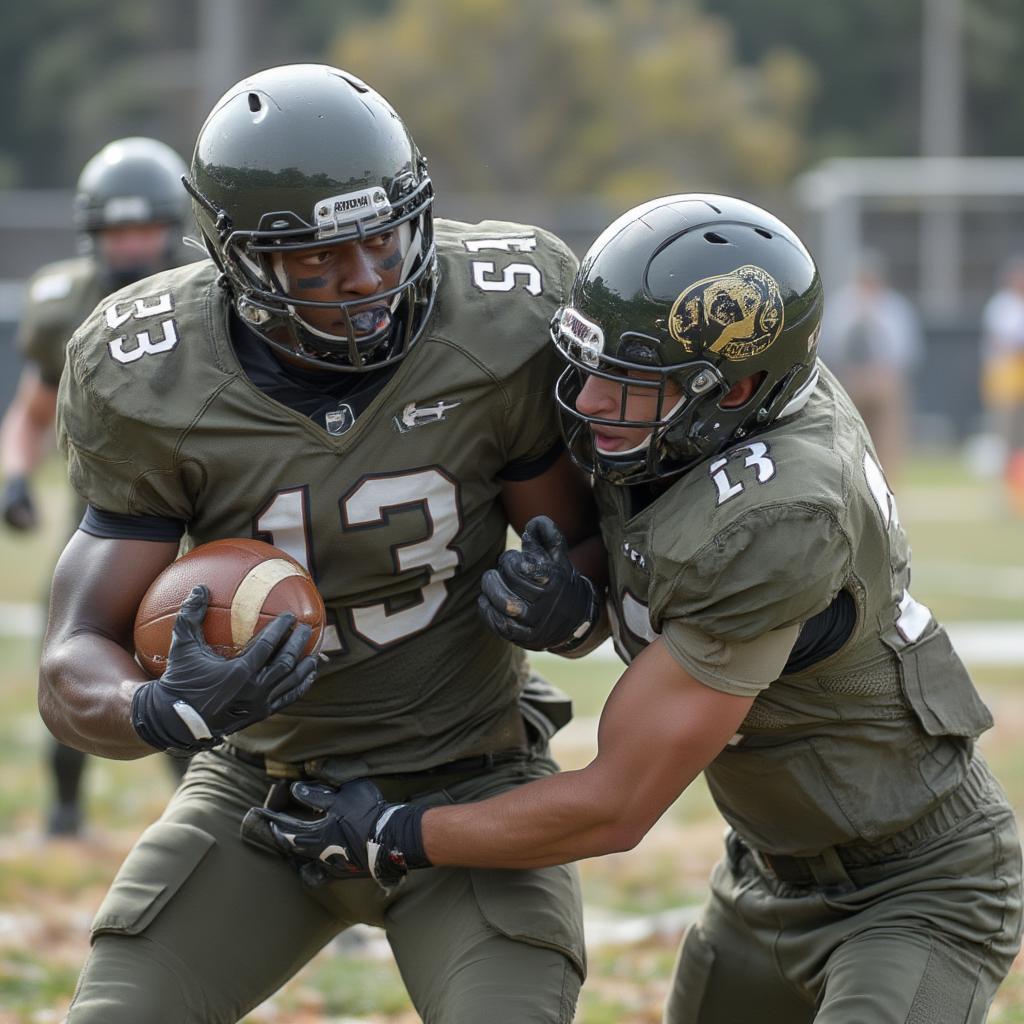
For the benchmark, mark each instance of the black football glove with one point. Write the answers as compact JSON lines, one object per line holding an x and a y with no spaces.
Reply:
{"x":535,"y":597}
{"x":19,"y":510}
{"x":354,"y":833}
{"x":202,"y":696}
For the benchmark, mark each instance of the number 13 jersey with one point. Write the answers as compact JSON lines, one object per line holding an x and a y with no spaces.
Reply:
{"x":730,"y":564}
{"x":396,"y":514}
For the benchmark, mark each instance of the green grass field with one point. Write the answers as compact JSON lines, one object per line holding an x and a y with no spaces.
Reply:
{"x":968,"y":566}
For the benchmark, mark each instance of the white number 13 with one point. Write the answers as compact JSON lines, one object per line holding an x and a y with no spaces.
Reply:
{"x":757,"y":459}
{"x":367,"y":506}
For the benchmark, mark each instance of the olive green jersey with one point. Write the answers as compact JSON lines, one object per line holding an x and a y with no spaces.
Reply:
{"x":729,"y":562}
{"x":60,"y":296}
{"x":396,"y":517}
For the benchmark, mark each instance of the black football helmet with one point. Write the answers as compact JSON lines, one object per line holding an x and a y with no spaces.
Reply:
{"x":700,"y":290}
{"x":131,"y":181}
{"x":302,"y":157}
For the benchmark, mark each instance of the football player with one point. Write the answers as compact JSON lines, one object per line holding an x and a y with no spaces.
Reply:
{"x":368,"y":389}
{"x":129,"y":211}
{"x":759,"y":589}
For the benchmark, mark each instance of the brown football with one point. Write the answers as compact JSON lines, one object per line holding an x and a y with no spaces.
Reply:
{"x":250,"y":583}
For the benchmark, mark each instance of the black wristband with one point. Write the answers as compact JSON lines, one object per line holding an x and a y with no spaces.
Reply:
{"x":404,"y":832}
{"x":147,"y":724}
{"x":140,"y":718}
{"x":592,"y":617}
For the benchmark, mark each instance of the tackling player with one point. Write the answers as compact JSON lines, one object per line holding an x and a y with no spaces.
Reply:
{"x":759,"y":592}
{"x":367,"y":388}
{"x":129,"y":211}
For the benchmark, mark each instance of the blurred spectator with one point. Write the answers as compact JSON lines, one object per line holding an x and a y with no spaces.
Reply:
{"x":871,"y":339}
{"x":1003,"y":374}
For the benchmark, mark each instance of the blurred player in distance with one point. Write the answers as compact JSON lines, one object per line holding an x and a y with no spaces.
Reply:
{"x":129,"y":211}
{"x":871,"y":340}
{"x":1003,"y":376}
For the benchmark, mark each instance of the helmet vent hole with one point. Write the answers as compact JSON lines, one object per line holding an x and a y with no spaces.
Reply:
{"x":254,"y":102}
{"x":763,"y":233}
{"x":715,"y":238}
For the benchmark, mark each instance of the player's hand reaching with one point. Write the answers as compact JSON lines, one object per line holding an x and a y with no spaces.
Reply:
{"x":535,"y":597}
{"x":202,"y":696}
{"x":17,"y":506}
{"x":353,"y":833}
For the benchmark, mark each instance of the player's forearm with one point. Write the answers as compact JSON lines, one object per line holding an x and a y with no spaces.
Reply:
{"x":555,"y":820}
{"x":86,"y":683}
{"x":26,"y":435}
{"x":590,"y":558}
{"x":22,"y":444}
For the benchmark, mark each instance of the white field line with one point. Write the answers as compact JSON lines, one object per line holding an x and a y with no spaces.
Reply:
{"x":1005,"y":582}
{"x":20,"y":619}
{"x":978,"y":643}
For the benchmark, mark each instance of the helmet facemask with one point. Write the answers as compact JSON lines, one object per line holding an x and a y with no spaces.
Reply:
{"x":371,"y":331}
{"x":677,"y":393}
{"x":689,"y":423}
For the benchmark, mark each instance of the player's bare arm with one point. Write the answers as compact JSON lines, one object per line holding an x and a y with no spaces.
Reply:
{"x":26,"y":435}
{"x":560,"y":492}
{"x":87,"y":674}
{"x":27,"y":431}
{"x":94,"y":696}
{"x":659,"y":729}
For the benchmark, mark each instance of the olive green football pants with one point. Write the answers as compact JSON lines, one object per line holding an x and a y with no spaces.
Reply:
{"x":919,"y":929}
{"x":200,"y":927}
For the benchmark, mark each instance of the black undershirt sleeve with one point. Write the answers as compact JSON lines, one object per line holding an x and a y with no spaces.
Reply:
{"x":527,"y":469}
{"x":823,"y":634}
{"x":115,"y":526}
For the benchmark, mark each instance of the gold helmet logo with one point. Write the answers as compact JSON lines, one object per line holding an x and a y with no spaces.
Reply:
{"x":736,"y":315}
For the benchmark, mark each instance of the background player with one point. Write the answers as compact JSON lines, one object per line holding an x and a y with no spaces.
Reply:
{"x":758,"y":580}
{"x":370,"y":391}
{"x":129,"y":211}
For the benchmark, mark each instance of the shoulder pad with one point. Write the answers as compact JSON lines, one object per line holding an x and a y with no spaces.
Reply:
{"x":132,"y":327}
{"x":501,"y":283}
{"x":755,"y":539}
{"x":60,"y":280}
{"x":58,"y":298}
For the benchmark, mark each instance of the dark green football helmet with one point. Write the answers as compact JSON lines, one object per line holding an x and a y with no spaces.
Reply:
{"x":132,"y":181}
{"x":307,"y":156}
{"x":701,"y":291}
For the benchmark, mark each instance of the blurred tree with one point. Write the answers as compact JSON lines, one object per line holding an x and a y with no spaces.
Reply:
{"x":80,"y":72}
{"x":867,"y":56}
{"x":994,"y":66}
{"x":624,"y":99}
{"x":77,"y":73}
{"x":622,"y":96}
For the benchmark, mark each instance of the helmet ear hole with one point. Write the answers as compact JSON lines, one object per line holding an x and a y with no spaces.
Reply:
{"x":743,"y":391}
